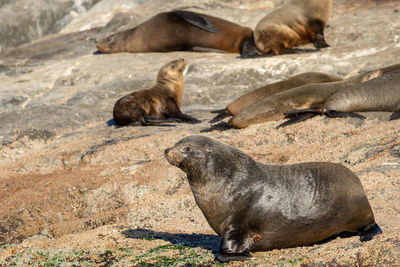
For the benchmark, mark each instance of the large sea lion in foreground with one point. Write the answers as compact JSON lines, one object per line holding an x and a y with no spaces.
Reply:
{"x":298,"y":22}
{"x":379,"y":94}
{"x":258,"y":207}
{"x":249,"y":98}
{"x":162,"y":101}
{"x":176,"y":31}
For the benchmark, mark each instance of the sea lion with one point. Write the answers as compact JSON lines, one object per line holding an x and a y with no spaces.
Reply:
{"x":247,"y":99}
{"x":162,"y":101}
{"x":258,"y":207}
{"x":379,"y":94}
{"x":176,"y":31}
{"x":298,"y":22}
{"x":274,"y":106}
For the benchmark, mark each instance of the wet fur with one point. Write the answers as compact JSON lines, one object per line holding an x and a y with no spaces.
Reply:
{"x":259,"y":207}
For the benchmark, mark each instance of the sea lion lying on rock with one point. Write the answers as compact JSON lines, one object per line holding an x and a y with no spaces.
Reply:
{"x":379,"y":94}
{"x":274,"y":106}
{"x":258,"y":207}
{"x":162,"y":102}
{"x":177,"y":31}
{"x":249,"y":98}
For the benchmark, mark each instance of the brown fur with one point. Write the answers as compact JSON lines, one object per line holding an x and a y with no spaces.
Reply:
{"x":273,"y":107}
{"x":177,"y":31}
{"x":379,"y":94}
{"x":298,"y":22}
{"x":161,"y":101}
{"x":249,"y":98}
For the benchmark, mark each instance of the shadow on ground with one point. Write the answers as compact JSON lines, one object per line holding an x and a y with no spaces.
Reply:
{"x":191,"y":240}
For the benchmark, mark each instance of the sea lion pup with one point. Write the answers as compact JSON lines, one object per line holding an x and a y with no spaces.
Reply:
{"x":176,"y":31}
{"x":258,"y":207}
{"x":247,"y":99}
{"x":298,"y":22}
{"x":162,"y":101}
{"x":379,"y":94}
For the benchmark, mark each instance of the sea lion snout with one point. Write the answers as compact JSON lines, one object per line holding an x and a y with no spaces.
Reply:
{"x":172,"y":156}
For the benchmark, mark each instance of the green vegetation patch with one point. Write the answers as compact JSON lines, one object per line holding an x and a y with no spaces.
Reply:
{"x":50,"y":258}
{"x":173,"y":255}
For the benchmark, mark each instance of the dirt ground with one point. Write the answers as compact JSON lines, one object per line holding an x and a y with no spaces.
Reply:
{"x":121,"y":194}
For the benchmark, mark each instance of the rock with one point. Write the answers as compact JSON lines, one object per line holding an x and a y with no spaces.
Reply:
{"x":27,"y":20}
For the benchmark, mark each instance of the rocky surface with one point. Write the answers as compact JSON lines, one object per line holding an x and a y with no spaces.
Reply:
{"x":74,"y":185}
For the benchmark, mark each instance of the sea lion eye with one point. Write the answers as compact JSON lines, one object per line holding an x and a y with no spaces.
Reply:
{"x":173,"y":66}
{"x":186,"y":149}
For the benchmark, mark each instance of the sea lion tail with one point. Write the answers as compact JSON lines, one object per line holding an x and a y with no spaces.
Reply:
{"x":222,"y":114}
{"x":369,"y":231}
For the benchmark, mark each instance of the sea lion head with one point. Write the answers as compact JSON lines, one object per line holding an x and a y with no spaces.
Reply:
{"x":191,"y":153}
{"x":205,"y":159}
{"x":108,"y":44}
{"x":172,"y":71}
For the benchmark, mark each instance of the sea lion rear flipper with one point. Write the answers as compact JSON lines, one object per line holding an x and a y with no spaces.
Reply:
{"x":234,"y":246}
{"x":297,"y":112}
{"x":337,"y":114}
{"x":222,"y":114}
{"x":196,"y":20}
{"x":298,"y":118}
{"x":222,"y":126}
{"x":395,"y":116}
{"x":369,"y":231}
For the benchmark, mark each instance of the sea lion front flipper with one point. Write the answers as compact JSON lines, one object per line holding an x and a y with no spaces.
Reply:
{"x":234,"y":245}
{"x":369,"y":231}
{"x":222,"y":114}
{"x":298,"y":118}
{"x":196,"y":20}
{"x":319,"y":39}
{"x":395,"y":116}
{"x":249,"y":49}
{"x":173,"y":111}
